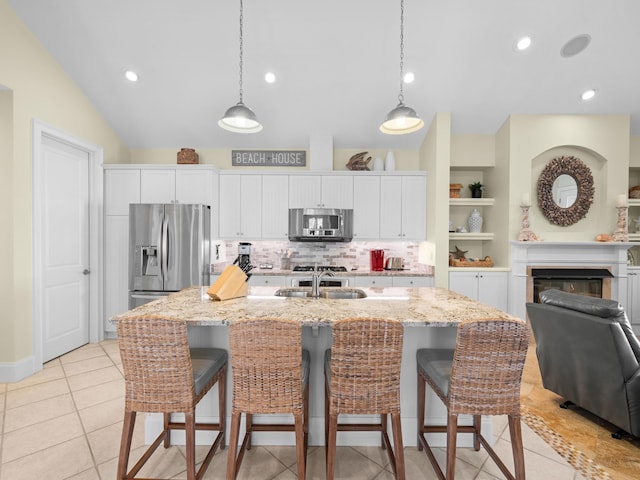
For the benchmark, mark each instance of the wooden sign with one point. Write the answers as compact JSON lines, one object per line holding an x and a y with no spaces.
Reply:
{"x":268,"y":158}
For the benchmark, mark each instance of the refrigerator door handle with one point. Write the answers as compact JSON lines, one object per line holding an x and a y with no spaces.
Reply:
{"x":164,"y":242}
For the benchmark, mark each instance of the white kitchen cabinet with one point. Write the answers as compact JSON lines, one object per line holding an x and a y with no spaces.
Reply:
{"x":275,"y":207}
{"x":157,"y":186}
{"x":121,"y":187}
{"x":482,"y":285}
{"x":366,"y":281}
{"x":412,"y":282}
{"x":633,"y":297}
{"x":192,"y":185}
{"x":366,"y":207}
{"x":321,"y":191}
{"x":196,"y":185}
{"x":240,"y":213}
{"x":403,"y":206}
{"x":116,"y":268}
{"x":268,"y":280}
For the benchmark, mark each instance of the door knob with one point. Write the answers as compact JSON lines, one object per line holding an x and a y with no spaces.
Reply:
{"x":86,"y":271}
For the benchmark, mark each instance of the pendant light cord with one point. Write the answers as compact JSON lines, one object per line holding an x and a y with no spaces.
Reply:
{"x":241,"y":45}
{"x":401,"y":95}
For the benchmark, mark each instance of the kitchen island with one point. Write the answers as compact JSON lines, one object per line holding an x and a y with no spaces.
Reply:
{"x":416,"y":308}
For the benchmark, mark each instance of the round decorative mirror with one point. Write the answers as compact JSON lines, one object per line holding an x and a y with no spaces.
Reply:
{"x":565,"y":190}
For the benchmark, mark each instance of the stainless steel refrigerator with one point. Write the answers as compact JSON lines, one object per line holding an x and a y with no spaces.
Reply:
{"x":169,"y":249}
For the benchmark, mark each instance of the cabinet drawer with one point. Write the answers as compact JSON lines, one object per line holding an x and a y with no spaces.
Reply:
{"x":413,"y":282}
{"x":373,"y":281}
{"x":268,"y":280}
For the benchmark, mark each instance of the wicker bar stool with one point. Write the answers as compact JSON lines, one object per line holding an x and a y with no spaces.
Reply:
{"x":481,"y":376}
{"x":270,"y":376}
{"x":362,"y":377}
{"x":163,"y":375}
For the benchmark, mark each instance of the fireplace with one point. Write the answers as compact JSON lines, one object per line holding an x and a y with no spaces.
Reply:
{"x":525,"y":256}
{"x":592,"y":282}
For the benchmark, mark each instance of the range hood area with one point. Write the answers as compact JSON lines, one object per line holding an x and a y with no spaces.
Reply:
{"x":320,"y":225}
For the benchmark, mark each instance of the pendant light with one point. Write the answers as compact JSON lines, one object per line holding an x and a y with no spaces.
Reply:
{"x":240,"y":118}
{"x":401,"y":119}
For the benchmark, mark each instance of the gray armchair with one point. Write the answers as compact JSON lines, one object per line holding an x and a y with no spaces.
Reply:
{"x":589,"y":355}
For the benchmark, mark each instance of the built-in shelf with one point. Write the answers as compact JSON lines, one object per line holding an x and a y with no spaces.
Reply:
{"x":477,"y":202}
{"x":471,"y":236}
{"x":634,"y":237}
{"x":634,"y":202}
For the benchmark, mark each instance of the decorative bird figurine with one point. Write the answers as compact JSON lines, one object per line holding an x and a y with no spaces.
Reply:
{"x":459,"y":254}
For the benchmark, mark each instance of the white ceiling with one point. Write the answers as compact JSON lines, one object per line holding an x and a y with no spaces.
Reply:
{"x":337,"y":64}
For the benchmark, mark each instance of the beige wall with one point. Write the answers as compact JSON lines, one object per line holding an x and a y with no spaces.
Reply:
{"x":602,"y":142}
{"x":221,"y":157}
{"x":40,"y":90}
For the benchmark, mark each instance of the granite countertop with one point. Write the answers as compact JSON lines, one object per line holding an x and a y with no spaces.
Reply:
{"x":348,"y":273}
{"x":412,"y":306}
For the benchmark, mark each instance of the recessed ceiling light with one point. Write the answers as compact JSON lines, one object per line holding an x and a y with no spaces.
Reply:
{"x":131,"y":75}
{"x":575,"y":45}
{"x":523,"y":43}
{"x":270,"y":77}
{"x":588,"y":94}
{"x":409,"y":77}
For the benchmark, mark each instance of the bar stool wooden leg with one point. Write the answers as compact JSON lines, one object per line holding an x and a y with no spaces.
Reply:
{"x":515,"y":430}
{"x":222,"y":394}
{"x":396,"y":426}
{"x":300,"y":448}
{"x":125,"y":444}
{"x":248,"y":420}
{"x":190,"y":435}
{"x":383,"y":426}
{"x":233,"y":446}
{"x":477,"y":426}
{"x":167,"y":430}
{"x":421,"y":402}
{"x":331,"y":445}
{"x":452,"y":436}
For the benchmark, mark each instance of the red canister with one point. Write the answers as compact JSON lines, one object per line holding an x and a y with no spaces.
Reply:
{"x":376,"y":257}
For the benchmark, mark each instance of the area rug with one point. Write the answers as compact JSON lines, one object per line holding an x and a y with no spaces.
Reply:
{"x":578,"y":436}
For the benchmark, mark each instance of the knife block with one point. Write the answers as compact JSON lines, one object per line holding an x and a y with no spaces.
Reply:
{"x":232,"y":283}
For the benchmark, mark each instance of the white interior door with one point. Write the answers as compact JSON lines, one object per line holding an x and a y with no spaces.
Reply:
{"x":64,"y":248}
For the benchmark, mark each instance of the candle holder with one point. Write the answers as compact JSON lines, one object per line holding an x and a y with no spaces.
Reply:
{"x":526,"y":234}
{"x":622,"y":233}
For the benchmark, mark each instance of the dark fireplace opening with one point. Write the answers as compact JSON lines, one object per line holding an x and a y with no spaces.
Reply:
{"x":592,"y":282}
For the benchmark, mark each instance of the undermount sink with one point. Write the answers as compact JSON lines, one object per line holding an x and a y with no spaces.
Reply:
{"x":334,"y":293}
{"x":343,"y":293}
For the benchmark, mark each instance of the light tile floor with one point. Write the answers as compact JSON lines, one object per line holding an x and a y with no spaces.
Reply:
{"x":65,"y":423}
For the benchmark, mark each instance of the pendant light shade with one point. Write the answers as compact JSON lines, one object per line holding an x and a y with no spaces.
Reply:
{"x":239,"y":118}
{"x":401,"y":119}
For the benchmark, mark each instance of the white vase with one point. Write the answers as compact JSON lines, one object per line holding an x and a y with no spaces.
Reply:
{"x":378,"y":164}
{"x":390,"y":162}
{"x":475,"y":221}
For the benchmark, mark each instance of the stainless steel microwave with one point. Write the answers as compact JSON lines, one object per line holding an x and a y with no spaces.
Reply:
{"x":320,"y":225}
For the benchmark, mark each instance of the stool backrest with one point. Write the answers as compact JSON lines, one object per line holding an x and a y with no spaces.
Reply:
{"x":157,"y":365}
{"x":366,"y":356}
{"x":487,"y":367}
{"x":266,"y":361}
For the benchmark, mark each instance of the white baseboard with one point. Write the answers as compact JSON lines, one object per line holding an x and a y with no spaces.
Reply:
{"x":11,"y":372}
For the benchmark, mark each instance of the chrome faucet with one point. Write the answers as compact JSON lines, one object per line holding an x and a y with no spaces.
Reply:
{"x":315,"y":281}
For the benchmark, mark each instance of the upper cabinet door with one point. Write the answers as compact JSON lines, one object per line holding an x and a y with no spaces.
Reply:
{"x":414,"y":208}
{"x":391,"y":207}
{"x":121,"y":187}
{"x":337,"y":191}
{"x":305,"y":191}
{"x":157,"y":186}
{"x":366,"y":207}
{"x":275,"y":206}
{"x":240,"y":213}
{"x":195,"y":186}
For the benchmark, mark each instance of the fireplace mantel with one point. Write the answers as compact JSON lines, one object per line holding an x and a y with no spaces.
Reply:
{"x":611,"y":255}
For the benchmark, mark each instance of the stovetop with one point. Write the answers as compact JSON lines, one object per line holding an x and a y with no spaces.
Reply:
{"x":320,"y":268}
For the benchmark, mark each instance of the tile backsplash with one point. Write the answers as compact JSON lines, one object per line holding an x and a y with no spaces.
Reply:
{"x":352,"y":255}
